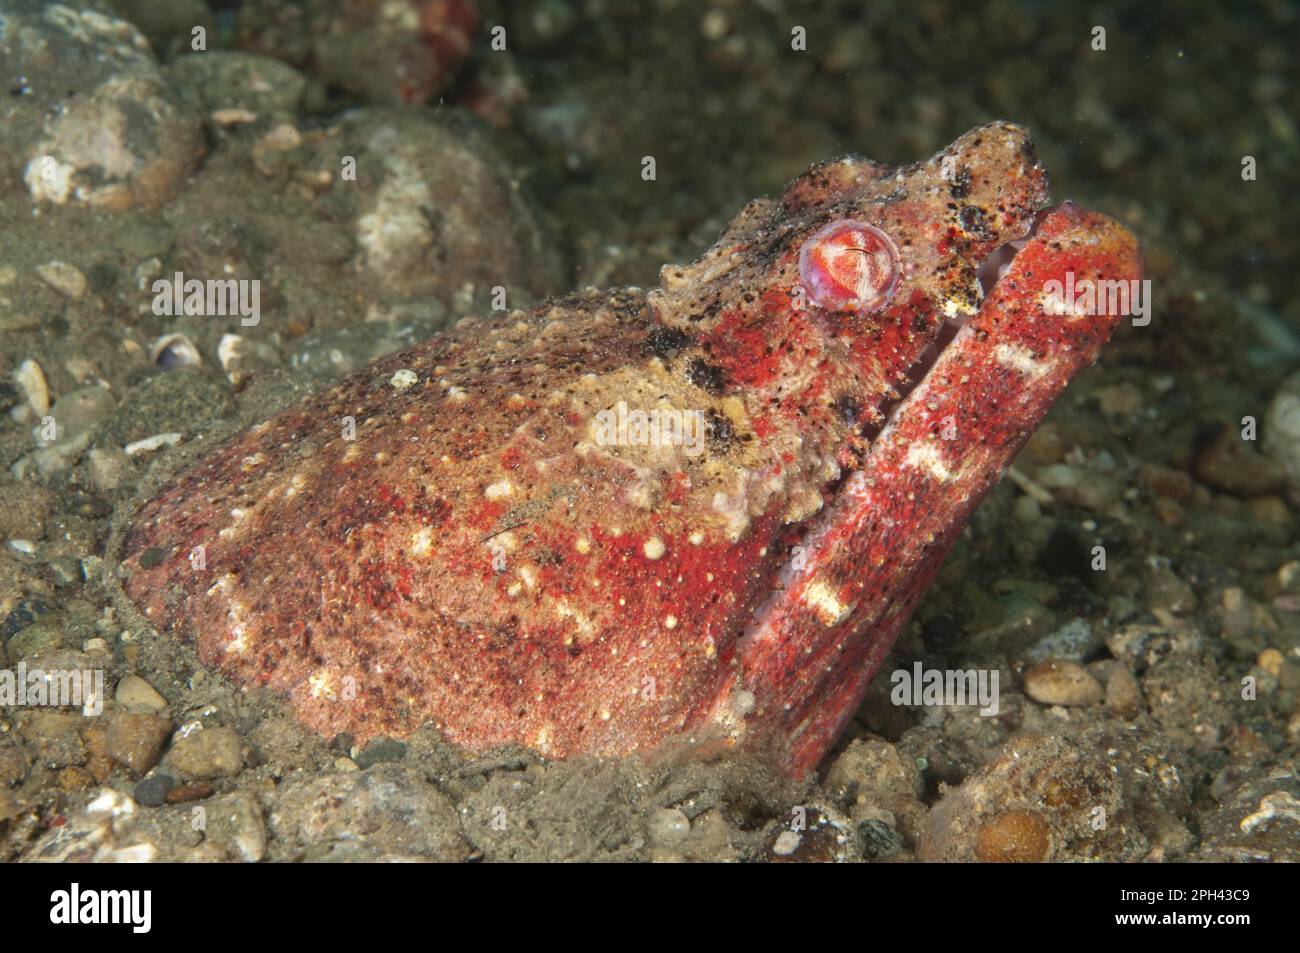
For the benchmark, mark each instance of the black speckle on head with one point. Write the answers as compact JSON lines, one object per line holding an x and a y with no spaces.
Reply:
{"x":705,"y":375}
{"x":959,"y":188}
{"x":847,"y":408}
{"x":665,"y":342}
{"x":972,"y":222}
{"x":720,"y":431}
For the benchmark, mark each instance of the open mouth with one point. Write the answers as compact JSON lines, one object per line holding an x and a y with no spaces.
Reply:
{"x":990,"y":271}
{"x":819,"y":532}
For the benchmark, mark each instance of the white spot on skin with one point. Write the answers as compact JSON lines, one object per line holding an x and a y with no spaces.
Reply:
{"x":818,"y":596}
{"x":321,"y":685}
{"x":1022,"y":360}
{"x":582,"y":545}
{"x":403,"y":379}
{"x":926,"y":456}
{"x":670,"y":622}
{"x":239,"y":644}
{"x":499,"y":489}
{"x":654,"y":548}
{"x":422,"y":542}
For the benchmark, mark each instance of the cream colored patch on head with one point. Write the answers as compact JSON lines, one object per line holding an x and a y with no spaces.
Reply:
{"x":654,"y":548}
{"x":494,"y":491}
{"x":238,"y":645}
{"x":321,"y":684}
{"x":422,"y":542}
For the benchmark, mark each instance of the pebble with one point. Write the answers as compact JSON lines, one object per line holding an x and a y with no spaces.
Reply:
{"x":208,"y":753}
{"x":1074,"y":642}
{"x":668,"y":826}
{"x":31,"y":384}
{"x":242,"y":84}
{"x":99,"y":124}
{"x":109,"y":468}
{"x":136,"y":740}
{"x":236,"y":823}
{"x":1233,"y":465}
{"x":1013,"y":837}
{"x":1123,"y":693}
{"x":78,"y":411}
{"x":153,"y":790}
{"x":195,"y":791}
{"x":1061,"y":682}
{"x":133,"y":692}
{"x":379,"y":750}
{"x":43,"y":635}
{"x":53,"y":737}
{"x":64,"y":278}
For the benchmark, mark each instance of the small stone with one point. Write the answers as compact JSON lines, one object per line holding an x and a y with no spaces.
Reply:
{"x":195,"y":791}
{"x":1013,"y":837}
{"x":1123,"y":693}
{"x":786,"y":843}
{"x":66,"y":572}
{"x":31,"y":384}
{"x":235,"y":822}
{"x":98,"y":123}
{"x":153,"y":790}
{"x":23,"y":614}
{"x":1234,"y":465}
{"x":1060,"y":682}
{"x":98,"y":762}
{"x":136,"y":740}
{"x":878,"y":838}
{"x":208,"y":753}
{"x":54,"y":737}
{"x":41,"y":636}
{"x":668,"y":826}
{"x":109,"y":468}
{"x":1075,"y":641}
{"x":1271,"y":660}
{"x":133,"y":692}
{"x":74,"y":780}
{"x":64,"y":278}
{"x":380,"y":749}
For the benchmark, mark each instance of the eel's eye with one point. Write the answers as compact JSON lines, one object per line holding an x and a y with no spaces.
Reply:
{"x":849,"y":266}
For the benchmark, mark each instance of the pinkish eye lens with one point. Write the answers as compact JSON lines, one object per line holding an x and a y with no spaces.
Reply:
{"x":849,"y":266}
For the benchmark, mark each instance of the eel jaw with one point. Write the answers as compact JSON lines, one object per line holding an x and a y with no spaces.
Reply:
{"x":806,"y":659}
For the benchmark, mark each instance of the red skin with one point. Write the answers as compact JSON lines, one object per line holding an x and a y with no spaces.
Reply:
{"x":477,"y":558}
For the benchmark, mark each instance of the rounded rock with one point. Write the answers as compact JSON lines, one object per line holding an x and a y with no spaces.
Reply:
{"x":93,"y":121}
{"x":1059,"y":682}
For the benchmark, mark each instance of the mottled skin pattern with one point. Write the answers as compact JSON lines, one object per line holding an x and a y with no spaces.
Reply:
{"x":477,"y":558}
